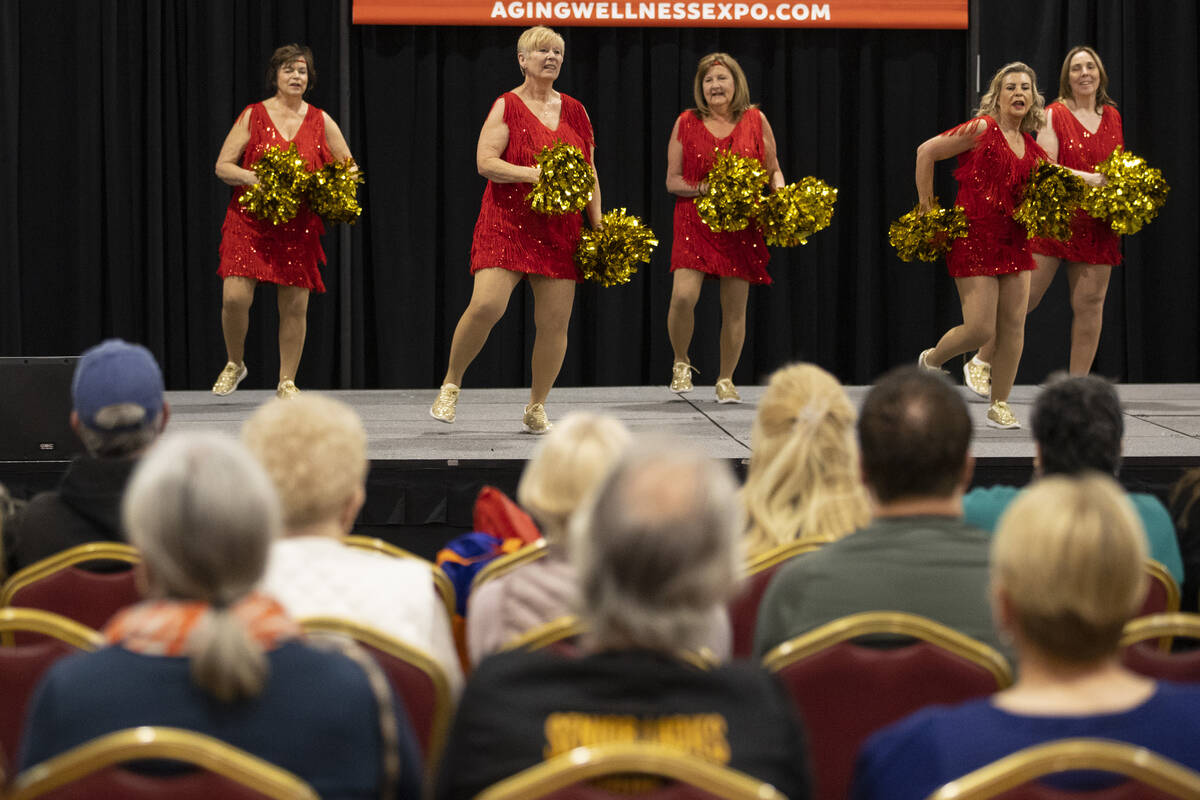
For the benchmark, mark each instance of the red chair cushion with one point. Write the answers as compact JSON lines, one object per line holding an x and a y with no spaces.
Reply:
{"x":21,"y":668}
{"x":743,"y":610}
{"x":415,"y":688}
{"x":1145,"y":658}
{"x":90,"y":598}
{"x":497,"y":514}
{"x":115,"y":783}
{"x":847,"y":692}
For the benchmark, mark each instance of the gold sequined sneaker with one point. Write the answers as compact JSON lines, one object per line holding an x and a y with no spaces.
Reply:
{"x":929,"y":367}
{"x":727,"y":392}
{"x":535,"y":420}
{"x":286,"y":390}
{"x":230,"y":377}
{"x":681,"y":377}
{"x":443,"y":408}
{"x":1000,"y":416}
{"x":977,"y":375}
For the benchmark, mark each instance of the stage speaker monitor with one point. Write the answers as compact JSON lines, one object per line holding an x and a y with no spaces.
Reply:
{"x":35,"y":409}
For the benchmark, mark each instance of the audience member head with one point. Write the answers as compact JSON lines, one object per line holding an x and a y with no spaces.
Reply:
{"x":314,"y":448}
{"x":203,"y":514}
{"x":1078,"y":424}
{"x":914,"y":434}
{"x":1067,"y":567}
{"x":657,"y":549}
{"x":567,"y":464}
{"x":117,"y":399}
{"x":804,"y":479}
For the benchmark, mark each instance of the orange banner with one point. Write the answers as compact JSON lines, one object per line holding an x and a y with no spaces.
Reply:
{"x":668,"y":13}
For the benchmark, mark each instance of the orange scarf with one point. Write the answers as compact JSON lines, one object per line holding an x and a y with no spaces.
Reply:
{"x":165,"y":627}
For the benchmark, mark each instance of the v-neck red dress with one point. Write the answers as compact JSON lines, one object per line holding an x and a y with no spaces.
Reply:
{"x":511,"y":235}
{"x":287,"y":254}
{"x":727,"y":254}
{"x":991,"y":179}
{"x":1092,"y":241}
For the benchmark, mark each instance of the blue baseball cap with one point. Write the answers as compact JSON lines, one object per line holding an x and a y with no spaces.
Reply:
{"x":117,"y":386}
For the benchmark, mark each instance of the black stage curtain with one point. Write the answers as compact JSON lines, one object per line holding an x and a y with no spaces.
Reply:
{"x":113,"y":113}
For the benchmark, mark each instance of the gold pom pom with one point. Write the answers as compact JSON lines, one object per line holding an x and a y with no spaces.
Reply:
{"x":792,"y":213}
{"x":609,"y":256}
{"x":925,"y":236}
{"x":1132,"y":196}
{"x":565,"y":185}
{"x":333,"y":192}
{"x":282,"y":181}
{"x":735,"y":187}
{"x":1049,"y":202}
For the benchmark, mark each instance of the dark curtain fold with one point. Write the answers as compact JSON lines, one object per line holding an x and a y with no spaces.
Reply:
{"x":113,"y":113}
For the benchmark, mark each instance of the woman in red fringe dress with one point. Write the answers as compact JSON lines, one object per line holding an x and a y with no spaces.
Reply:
{"x":1083,"y":128}
{"x":254,"y":250}
{"x":991,"y":265}
{"x":723,"y":119}
{"x":512,"y":241}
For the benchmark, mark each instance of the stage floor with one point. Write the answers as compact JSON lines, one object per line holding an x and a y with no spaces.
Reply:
{"x":1162,"y":421}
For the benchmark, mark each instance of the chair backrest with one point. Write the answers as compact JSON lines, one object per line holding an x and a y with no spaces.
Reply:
{"x":441,"y":582}
{"x":1162,"y":593}
{"x":502,"y":565}
{"x":1141,"y":655}
{"x":22,"y":666}
{"x":687,"y":776}
{"x":416,"y":677}
{"x":845,"y":691}
{"x":743,"y":608}
{"x":1150,"y":776}
{"x":558,"y":634}
{"x":92,"y":771}
{"x":56,"y":584}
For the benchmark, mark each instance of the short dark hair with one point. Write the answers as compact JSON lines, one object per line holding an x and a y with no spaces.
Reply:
{"x":914,"y":433}
{"x":285,"y":55}
{"x":1078,"y":424}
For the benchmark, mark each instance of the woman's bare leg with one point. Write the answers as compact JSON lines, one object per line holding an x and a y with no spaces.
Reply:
{"x":237,"y":295}
{"x":293,"y":327}
{"x":552,"y":302}
{"x":1089,"y":286}
{"x":489,"y":299}
{"x":977,"y":295}
{"x":1011,"y":307}
{"x":681,"y":316}
{"x":734,"y":293}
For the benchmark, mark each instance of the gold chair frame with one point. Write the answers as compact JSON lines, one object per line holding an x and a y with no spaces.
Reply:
{"x":415,"y":656}
{"x":588,"y":763}
{"x":441,"y":581}
{"x":781,"y":553}
{"x":135,"y":744}
{"x":1034,"y":762}
{"x":890,"y":622}
{"x":546,"y":634}
{"x":35,"y":620}
{"x":1155,"y":571}
{"x":1163,"y":627}
{"x":501,"y":565}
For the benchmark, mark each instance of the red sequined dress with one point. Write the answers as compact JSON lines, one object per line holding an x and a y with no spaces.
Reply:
{"x":511,"y":235}
{"x":286,"y":254}
{"x":991,"y":178}
{"x":733,"y":254}
{"x":1092,"y":241}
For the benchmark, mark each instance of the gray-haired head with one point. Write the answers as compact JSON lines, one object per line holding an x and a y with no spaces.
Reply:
{"x":657,"y":548}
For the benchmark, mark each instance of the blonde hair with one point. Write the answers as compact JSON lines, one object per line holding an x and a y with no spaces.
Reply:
{"x":1064,"y":77}
{"x":1069,"y":554}
{"x":315,"y":450}
{"x":741,"y":89}
{"x":804,"y":479}
{"x":1035,"y":117}
{"x":533,"y":38}
{"x":567,"y":464}
{"x":203,"y":514}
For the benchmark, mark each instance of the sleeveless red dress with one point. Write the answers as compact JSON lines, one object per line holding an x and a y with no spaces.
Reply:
{"x":286,"y":254}
{"x":728,"y":254}
{"x":1092,"y":241}
{"x":991,"y":179}
{"x":511,"y":235}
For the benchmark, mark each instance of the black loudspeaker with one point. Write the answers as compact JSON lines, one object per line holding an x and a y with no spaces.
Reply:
{"x":35,"y":409}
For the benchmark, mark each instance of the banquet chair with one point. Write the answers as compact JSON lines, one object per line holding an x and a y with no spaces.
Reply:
{"x":57,"y":584}
{"x":743,"y":608}
{"x":502,"y":565}
{"x":416,"y":678}
{"x":441,"y":582}
{"x":1148,"y":776}
{"x":579,"y":775}
{"x":559,"y":634}
{"x":845,"y":690}
{"x":1140,"y":655}
{"x":1162,"y":593}
{"x":22,"y":666}
{"x":94,"y":771}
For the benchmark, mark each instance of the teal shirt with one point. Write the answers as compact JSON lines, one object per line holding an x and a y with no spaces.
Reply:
{"x":983,"y":506}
